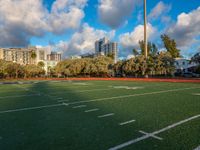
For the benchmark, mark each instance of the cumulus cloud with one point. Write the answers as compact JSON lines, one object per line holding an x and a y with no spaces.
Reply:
{"x":115,"y":12}
{"x":21,"y":20}
{"x":66,"y":14}
{"x":82,"y":41}
{"x":130,"y":40}
{"x":187,"y":28}
{"x":161,"y":9}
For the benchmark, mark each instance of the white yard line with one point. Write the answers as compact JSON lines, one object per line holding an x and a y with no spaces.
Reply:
{"x":30,"y":108}
{"x":65,"y":104}
{"x":19,"y":96}
{"x":153,"y":133}
{"x":80,"y":106}
{"x":133,"y":95}
{"x":91,"y":110}
{"x":59,"y":98}
{"x":198,"y":148}
{"x":127,"y":122}
{"x":106,"y":115}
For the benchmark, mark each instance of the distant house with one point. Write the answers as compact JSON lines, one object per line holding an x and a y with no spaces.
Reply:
{"x":184,"y":65}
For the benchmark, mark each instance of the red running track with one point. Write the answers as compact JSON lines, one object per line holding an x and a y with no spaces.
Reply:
{"x":180,"y":80}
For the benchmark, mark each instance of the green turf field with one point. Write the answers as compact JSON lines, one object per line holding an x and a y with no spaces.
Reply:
{"x":99,"y":115}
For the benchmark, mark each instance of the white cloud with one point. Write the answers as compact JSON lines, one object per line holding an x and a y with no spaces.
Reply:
{"x":22,"y":19}
{"x":115,"y":12}
{"x":66,"y":14}
{"x":159,"y":10}
{"x":187,"y":28}
{"x":130,"y":40}
{"x":83,"y":41}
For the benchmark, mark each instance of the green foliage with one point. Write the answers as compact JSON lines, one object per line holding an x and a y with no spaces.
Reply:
{"x":41,"y":64}
{"x":151,"y":48}
{"x":33,"y":55}
{"x":33,"y":71}
{"x":14,"y":70}
{"x":135,"y":52}
{"x":170,"y":45}
{"x":99,"y":66}
{"x":159,"y":64}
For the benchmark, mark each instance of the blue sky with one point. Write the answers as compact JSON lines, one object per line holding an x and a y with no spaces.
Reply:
{"x":72,"y":26}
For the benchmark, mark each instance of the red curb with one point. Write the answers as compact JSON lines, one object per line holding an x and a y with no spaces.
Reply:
{"x":178,"y":80}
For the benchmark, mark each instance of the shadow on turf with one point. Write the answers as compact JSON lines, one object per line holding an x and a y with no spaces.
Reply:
{"x":61,"y":127}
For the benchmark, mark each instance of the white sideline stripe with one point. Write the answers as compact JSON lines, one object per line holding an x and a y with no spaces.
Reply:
{"x":81,"y":106}
{"x":92,"y":110}
{"x":133,"y":95}
{"x":127,"y":122}
{"x":19,"y":96}
{"x":106,"y":115}
{"x":198,"y":148}
{"x":30,"y":108}
{"x":153,"y":133}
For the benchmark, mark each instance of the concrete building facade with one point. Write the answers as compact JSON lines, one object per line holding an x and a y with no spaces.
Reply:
{"x":23,"y":56}
{"x":105,"y":47}
{"x":54,"y":56}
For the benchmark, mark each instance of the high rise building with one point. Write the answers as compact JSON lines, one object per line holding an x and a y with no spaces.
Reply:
{"x":107,"y":48}
{"x":54,"y":56}
{"x":17,"y":55}
{"x":23,"y":56}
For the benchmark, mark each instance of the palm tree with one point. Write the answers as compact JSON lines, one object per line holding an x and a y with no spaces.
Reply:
{"x":41,"y":64}
{"x":33,"y":57}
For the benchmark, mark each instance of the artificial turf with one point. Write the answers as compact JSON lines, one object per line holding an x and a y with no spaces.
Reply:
{"x":153,"y":106}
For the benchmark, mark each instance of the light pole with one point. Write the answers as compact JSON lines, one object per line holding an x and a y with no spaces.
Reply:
{"x":145,"y":34}
{"x":145,"y":30}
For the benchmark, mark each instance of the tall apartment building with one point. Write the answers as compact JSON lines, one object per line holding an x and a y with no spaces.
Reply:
{"x":54,"y":56}
{"x":106,"y":47}
{"x":23,"y":56}
{"x":18,"y":55}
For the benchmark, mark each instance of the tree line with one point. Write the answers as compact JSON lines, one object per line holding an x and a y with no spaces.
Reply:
{"x":158,"y":63}
{"x":14,"y":70}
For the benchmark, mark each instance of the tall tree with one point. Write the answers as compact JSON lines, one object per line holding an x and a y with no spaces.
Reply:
{"x":170,"y":45}
{"x":33,"y":57}
{"x":135,"y":52}
{"x":151,"y":48}
{"x":41,"y":64}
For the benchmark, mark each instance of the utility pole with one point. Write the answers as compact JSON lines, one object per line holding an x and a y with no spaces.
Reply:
{"x":145,"y":30}
{"x":145,"y":33}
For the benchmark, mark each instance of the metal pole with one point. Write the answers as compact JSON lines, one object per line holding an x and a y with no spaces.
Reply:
{"x":145,"y":34}
{"x":145,"y":30}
